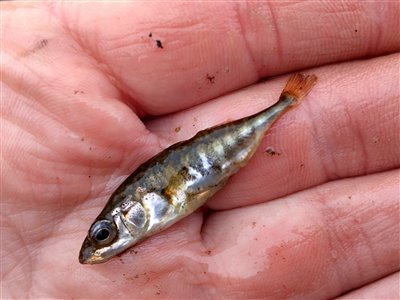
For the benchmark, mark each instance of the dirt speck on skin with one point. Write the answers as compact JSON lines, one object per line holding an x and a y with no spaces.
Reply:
{"x":177,"y":129}
{"x":270,"y":151}
{"x":210,"y":78}
{"x":38,"y":45}
{"x":43,"y":43}
{"x":355,"y":30}
{"x":159,"y":44}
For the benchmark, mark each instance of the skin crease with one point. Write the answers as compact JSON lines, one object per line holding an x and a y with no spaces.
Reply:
{"x":87,"y":96}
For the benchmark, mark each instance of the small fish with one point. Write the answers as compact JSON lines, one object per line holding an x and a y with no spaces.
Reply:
{"x":180,"y":179}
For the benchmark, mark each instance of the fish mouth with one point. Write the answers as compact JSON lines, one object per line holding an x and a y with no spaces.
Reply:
{"x":88,"y":254}
{"x":91,"y":260}
{"x":85,"y":258}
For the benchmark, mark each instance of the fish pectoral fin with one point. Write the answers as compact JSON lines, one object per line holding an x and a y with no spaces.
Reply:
{"x":209,"y":183}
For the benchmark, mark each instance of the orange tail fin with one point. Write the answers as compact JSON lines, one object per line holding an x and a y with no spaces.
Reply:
{"x":298,"y":86}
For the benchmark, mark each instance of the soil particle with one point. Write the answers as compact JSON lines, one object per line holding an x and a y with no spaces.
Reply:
{"x":159,"y":44}
{"x":210,"y":78}
{"x":270,"y":151}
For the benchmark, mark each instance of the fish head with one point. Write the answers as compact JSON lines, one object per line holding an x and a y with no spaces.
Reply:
{"x":112,"y":233}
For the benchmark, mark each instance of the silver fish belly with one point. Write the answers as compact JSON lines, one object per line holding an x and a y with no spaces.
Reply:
{"x":180,"y":179}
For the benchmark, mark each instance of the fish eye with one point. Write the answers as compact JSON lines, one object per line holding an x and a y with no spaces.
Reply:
{"x":103,"y":232}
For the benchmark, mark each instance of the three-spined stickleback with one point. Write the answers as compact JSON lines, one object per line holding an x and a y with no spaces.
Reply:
{"x":180,"y":179}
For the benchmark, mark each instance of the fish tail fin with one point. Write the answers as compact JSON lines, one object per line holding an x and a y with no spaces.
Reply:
{"x":298,"y":86}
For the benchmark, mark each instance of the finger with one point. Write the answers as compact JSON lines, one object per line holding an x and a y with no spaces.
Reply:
{"x":385,"y":288}
{"x":347,"y":126}
{"x":316,"y":244}
{"x":207,"y":50}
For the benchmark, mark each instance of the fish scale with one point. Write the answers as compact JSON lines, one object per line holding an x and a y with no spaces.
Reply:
{"x":180,"y":179}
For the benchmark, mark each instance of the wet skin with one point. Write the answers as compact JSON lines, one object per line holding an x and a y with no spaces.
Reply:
{"x":82,"y":111}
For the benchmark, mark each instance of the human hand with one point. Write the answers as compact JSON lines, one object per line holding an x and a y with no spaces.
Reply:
{"x":88,"y":95}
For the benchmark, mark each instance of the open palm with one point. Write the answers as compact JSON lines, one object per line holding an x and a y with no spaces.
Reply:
{"x":90,"y":91}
